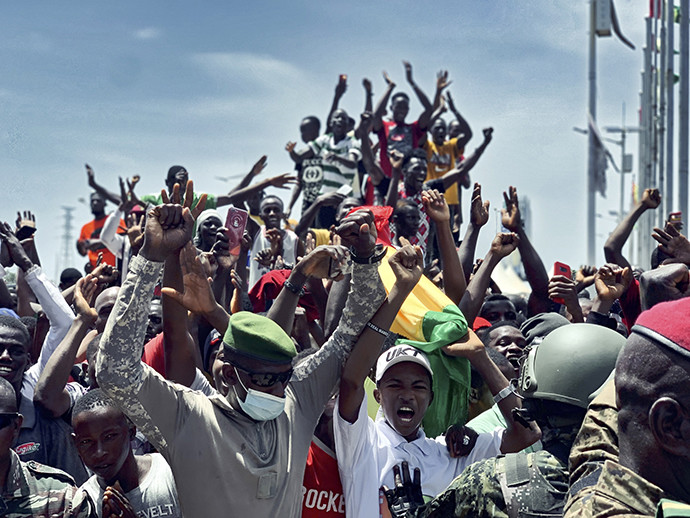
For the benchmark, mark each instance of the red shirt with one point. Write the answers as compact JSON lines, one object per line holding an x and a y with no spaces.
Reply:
{"x":322,"y":491}
{"x":401,"y":137}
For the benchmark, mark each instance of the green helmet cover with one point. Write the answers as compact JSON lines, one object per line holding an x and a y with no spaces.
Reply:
{"x":570,"y":364}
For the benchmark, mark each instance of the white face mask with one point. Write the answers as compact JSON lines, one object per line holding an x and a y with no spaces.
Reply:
{"x":259,"y":405}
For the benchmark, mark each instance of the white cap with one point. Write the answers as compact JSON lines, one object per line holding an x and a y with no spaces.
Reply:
{"x":401,"y":353}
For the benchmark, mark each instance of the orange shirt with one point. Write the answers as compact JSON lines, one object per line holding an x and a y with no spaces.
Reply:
{"x":92,"y":230}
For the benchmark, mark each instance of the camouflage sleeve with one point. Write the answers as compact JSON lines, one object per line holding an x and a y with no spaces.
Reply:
{"x":83,"y":506}
{"x":597,"y":440}
{"x":474,"y":493}
{"x":365,"y":297}
{"x":118,"y":365}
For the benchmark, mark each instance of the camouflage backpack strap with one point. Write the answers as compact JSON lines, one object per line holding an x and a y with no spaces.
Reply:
{"x":514,"y":473}
{"x":525,"y":491}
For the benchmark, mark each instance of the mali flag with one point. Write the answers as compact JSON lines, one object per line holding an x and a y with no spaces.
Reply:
{"x":429,"y":320}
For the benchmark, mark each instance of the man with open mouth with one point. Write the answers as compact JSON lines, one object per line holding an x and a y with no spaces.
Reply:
{"x":368,"y":450}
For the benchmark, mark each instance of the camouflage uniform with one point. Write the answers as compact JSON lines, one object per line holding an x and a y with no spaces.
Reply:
{"x":33,"y":489}
{"x":618,"y":492}
{"x":535,"y":484}
{"x":220,"y":458}
{"x":597,"y":441}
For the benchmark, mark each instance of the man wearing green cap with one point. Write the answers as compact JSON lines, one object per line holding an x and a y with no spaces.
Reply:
{"x":243,"y":454}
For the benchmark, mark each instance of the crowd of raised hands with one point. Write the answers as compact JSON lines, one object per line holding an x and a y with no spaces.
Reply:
{"x":378,"y":191}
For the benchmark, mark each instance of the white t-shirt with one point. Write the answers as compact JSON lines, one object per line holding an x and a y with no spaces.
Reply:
{"x":368,"y":450}
{"x":336,"y":174}
{"x":156,"y":496}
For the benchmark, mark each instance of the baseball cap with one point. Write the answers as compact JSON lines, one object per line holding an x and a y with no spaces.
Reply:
{"x":398,"y":354}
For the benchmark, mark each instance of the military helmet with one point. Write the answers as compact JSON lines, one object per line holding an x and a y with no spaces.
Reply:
{"x":570,"y":364}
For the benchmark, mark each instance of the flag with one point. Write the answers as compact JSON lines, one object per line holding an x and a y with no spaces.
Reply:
{"x":429,"y":320}
{"x":600,"y":156}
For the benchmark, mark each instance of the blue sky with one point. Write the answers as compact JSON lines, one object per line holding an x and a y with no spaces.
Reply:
{"x":134,"y":87}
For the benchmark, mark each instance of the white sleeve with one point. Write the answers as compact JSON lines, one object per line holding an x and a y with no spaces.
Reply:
{"x":355,"y":449}
{"x":109,"y":236}
{"x":59,"y":315}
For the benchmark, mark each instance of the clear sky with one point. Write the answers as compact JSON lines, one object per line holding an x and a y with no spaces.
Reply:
{"x":135,"y":87}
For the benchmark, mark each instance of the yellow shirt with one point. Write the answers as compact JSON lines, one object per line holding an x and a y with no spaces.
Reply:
{"x":441,"y":159}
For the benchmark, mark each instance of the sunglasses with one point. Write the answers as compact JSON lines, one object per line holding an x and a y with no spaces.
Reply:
{"x":7,"y":419}
{"x":266,"y":379}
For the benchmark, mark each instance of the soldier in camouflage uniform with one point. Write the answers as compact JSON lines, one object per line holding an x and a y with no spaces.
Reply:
{"x":245,"y":453}
{"x":558,"y":378}
{"x":652,"y":387}
{"x":32,"y":489}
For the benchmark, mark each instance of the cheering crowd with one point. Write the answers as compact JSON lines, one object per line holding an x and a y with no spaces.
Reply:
{"x":232,"y":355}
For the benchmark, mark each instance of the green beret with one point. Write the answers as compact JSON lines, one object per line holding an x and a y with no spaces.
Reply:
{"x":259,"y":338}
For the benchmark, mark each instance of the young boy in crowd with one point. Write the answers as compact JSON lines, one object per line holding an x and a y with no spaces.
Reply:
{"x":270,"y":236}
{"x":122,"y":481}
{"x":403,"y":389}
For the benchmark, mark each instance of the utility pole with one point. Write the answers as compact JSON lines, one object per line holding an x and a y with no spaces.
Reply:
{"x":661,"y":120}
{"x":683,"y":112}
{"x":602,"y":19}
{"x":670,"y":46}
{"x":67,"y":238}
{"x":591,"y":162}
{"x":626,"y":159}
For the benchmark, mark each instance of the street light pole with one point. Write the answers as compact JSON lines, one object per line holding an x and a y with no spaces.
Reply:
{"x":591,"y":165}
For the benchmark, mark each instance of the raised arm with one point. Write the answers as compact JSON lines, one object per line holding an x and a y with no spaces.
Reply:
{"x":407,"y":265}
{"x":368,"y":159}
{"x":479,"y":216}
{"x":51,"y":391}
{"x":501,"y":246}
{"x":442,"y":83}
{"x":368,"y":95}
{"x":534,"y":267}
{"x":468,"y":163}
{"x":329,"y":199}
{"x":108,"y":195}
{"x":613,"y":248}
{"x":366,"y":294}
{"x":383,"y":102}
{"x":396,"y":159}
{"x":340,"y":89}
{"x":465,"y":130}
{"x":196,"y":294}
{"x":298,"y":156}
{"x":118,"y":367}
{"x":281,"y":181}
{"x":454,"y":283}
{"x":423,"y":99}
{"x":322,"y":263}
{"x":255,"y":171}
{"x":516,"y":437}
{"x":59,"y":314}
{"x":611,"y":282}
